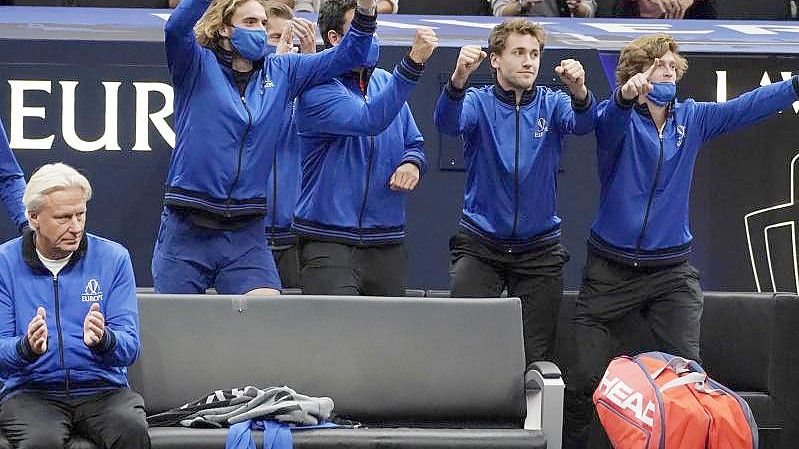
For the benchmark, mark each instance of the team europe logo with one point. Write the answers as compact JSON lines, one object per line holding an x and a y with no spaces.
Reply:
{"x":92,"y":292}
{"x":541,"y":128}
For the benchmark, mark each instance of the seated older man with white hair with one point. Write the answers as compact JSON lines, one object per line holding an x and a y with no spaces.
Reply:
{"x":68,"y":325}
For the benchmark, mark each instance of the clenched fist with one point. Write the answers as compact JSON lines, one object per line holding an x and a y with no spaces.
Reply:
{"x":572,"y":74}
{"x":424,"y":43}
{"x":469,"y":60}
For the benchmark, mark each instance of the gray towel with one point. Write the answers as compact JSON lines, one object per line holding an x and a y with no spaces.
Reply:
{"x":279,"y":403}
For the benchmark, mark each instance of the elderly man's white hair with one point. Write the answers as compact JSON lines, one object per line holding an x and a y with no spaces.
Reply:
{"x":52,"y":178}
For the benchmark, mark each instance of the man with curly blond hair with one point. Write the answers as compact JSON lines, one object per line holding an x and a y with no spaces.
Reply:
{"x":647,"y":144}
{"x":231,"y":95}
{"x":509,"y":234}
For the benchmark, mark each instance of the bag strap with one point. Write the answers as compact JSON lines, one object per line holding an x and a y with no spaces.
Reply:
{"x":690,"y":378}
{"x":677,"y":364}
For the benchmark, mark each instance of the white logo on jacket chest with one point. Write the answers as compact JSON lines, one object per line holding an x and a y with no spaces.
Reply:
{"x":267,"y":83}
{"x":680,"y":134}
{"x":541,"y":128}
{"x":92,"y":292}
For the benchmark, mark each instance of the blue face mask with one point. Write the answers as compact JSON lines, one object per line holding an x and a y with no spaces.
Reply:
{"x":662,"y":93}
{"x":249,"y":43}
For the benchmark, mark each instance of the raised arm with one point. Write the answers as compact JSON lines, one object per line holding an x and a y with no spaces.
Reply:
{"x":613,"y":115}
{"x":305,"y":71}
{"x":330,"y":110}
{"x":450,"y":115}
{"x":575,"y":115}
{"x":182,"y":49}
{"x":749,"y":108}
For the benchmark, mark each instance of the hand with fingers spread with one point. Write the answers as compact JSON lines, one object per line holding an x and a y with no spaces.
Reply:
{"x":93,"y":326}
{"x":286,"y":45}
{"x":424,"y":43}
{"x":640,"y":84}
{"x":572,"y":74}
{"x":306,"y":31}
{"x":37,"y":332}
{"x":405,"y":177}
{"x":469,"y":60}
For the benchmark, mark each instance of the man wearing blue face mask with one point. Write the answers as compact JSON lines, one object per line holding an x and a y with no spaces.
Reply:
{"x":637,"y":263}
{"x":230,"y":100}
{"x":361,"y":154}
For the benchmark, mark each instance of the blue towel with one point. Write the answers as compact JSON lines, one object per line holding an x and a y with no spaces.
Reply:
{"x":276,"y":435}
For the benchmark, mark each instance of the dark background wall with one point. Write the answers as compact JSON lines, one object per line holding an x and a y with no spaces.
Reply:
{"x":735,"y":175}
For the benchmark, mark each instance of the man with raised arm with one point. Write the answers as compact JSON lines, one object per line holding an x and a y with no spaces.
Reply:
{"x":230,"y":98}
{"x":509,"y":233}
{"x":647,"y":144}
{"x":362,"y":153}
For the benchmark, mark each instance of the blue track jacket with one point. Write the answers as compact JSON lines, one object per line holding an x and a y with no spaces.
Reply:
{"x":646,"y":176}
{"x":12,"y":183}
{"x":225,"y":142}
{"x":99,"y":271}
{"x":351,"y":145}
{"x":512,"y":154}
{"x":283,"y":184}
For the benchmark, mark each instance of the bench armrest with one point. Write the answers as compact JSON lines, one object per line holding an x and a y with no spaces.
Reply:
{"x":544,"y":398}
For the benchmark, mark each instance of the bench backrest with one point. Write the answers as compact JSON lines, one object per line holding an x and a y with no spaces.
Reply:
{"x":380,"y":359}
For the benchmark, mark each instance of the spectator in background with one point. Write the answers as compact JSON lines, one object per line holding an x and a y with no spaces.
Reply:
{"x":545,"y":8}
{"x":665,"y":9}
{"x":383,"y":6}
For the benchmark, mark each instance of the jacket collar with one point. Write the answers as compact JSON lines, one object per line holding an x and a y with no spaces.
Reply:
{"x":360,"y":77}
{"x":32,"y":259}
{"x":643,"y":109}
{"x":509,"y":97}
{"x":225,"y":58}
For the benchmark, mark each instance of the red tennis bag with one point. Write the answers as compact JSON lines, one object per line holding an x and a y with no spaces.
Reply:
{"x":658,"y":401}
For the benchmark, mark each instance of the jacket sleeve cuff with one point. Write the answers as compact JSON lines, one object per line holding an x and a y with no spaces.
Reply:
{"x":415,"y":161}
{"x":364,"y":23}
{"x":621,"y":102}
{"x":25,"y":351}
{"x":410,"y":69}
{"x":585,"y":104}
{"x":106,"y":344}
{"x":453,"y":92}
